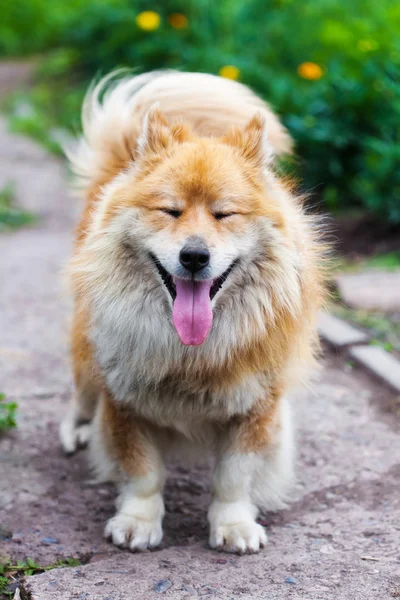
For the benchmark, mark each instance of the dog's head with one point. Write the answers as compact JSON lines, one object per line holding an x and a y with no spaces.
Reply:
{"x":203,"y":219}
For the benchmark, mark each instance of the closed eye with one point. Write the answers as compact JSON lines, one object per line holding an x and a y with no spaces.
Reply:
{"x":171,"y":212}
{"x":219,"y":216}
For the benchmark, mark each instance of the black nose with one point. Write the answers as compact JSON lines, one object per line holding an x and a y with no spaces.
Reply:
{"x":194,"y":259}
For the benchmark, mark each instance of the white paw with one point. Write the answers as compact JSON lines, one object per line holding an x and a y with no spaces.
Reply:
{"x":73,"y":436}
{"x":240,"y":538}
{"x":233,"y":527}
{"x":135,"y":533}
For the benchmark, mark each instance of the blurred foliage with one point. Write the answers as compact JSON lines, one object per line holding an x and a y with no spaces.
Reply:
{"x":388,"y":261}
{"x":12,"y":217}
{"x":383,"y":262}
{"x":10,"y":573}
{"x":330,"y":68}
{"x":7,"y":414}
{"x":384,"y":328}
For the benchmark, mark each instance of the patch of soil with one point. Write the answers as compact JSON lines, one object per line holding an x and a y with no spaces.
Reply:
{"x":363,"y":236}
{"x":383,"y":398}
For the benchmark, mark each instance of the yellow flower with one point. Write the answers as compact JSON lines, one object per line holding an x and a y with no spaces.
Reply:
{"x":367,"y":45}
{"x":310,"y":70}
{"x":230,"y":72}
{"x":178,"y":21}
{"x":148,"y":20}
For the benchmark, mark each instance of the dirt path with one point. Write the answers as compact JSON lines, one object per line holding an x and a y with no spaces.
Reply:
{"x":345,"y":508}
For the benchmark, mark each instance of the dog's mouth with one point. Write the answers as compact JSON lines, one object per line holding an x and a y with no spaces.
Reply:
{"x":192,"y":313}
{"x":168,"y":280}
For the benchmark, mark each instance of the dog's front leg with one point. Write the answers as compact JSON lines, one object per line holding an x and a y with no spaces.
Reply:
{"x":254,"y":468}
{"x":129,"y":442}
{"x":232,"y":514}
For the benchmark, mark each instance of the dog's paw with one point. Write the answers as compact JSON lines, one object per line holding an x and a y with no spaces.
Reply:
{"x":240,"y":538}
{"x":128,"y":531}
{"x":74,"y":436}
{"x":233,"y":527}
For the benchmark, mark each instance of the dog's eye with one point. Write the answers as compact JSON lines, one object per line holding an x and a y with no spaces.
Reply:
{"x":219,"y":216}
{"x":171,"y":212}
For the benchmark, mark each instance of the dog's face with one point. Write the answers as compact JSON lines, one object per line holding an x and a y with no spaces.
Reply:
{"x":196,"y":213}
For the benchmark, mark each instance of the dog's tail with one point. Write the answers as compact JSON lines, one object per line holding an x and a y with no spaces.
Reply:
{"x":110,"y":129}
{"x":114,"y":109}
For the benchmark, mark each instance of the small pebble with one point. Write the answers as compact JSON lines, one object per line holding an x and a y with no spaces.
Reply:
{"x":165,"y":563}
{"x":16,"y":540}
{"x":327,"y":549}
{"x":78,"y":574}
{"x":52,"y":585}
{"x":189,"y":589}
{"x":50,"y":540}
{"x":290,"y":580}
{"x":162,"y":586}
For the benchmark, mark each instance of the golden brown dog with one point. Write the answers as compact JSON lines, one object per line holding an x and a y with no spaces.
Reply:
{"x":196,"y":279}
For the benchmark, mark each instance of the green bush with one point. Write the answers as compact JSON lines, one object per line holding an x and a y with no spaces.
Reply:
{"x":343,"y":109}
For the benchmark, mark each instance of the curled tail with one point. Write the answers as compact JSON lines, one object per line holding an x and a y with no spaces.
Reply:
{"x":114,"y":108}
{"x":110,"y":129}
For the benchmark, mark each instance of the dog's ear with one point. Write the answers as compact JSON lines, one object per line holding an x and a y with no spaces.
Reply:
{"x":252,"y":141}
{"x":158,"y":134}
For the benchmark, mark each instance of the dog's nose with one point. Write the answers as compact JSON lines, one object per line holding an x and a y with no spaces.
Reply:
{"x":194,"y":259}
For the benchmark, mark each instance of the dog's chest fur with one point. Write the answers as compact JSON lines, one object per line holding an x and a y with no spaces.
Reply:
{"x":145,"y":364}
{"x":161,"y":379}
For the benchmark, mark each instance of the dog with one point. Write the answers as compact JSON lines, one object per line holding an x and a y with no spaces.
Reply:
{"x":196,"y":278}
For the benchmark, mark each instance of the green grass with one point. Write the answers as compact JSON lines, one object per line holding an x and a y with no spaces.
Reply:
{"x":9,"y":573}
{"x":384,"y":262}
{"x":7,"y":414}
{"x":385,"y":329}
{"x":11,"y":216}
{"x":389,"y":261}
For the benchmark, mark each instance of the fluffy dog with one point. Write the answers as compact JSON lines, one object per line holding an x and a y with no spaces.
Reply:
{"x":196,"y":280}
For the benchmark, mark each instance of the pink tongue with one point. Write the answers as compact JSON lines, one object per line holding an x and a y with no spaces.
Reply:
{"x":192,"y":314}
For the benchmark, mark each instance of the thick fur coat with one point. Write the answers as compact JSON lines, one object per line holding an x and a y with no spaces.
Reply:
{"x":169,"y":352}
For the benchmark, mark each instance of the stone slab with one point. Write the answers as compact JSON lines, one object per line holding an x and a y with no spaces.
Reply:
{"x":337,"y":332}
{"x":371,"y":290}
{"x":380,"y":363}
{"x":319,"y":569}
